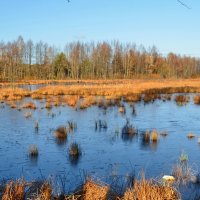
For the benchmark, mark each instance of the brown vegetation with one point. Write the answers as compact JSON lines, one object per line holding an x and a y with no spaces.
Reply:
{"x":190,"y":135}
{"x":88,"y":101}
{"x":154,"y":136}
{"x":94,"y":191}
{"x":71,"y":100}
{"x":181,"y":99}
{"x":61,"y":132}
{"x":14,"y":191}
{"x":29,"y":105}
{"x":130,"y":90}
{"x":147,"y":190}
{"x":197,"y":99}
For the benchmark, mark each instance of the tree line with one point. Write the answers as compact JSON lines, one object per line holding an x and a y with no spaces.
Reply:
{"x":21,"y":59}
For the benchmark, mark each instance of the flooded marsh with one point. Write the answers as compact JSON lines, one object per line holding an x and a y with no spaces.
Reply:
{"x":107,"y":138}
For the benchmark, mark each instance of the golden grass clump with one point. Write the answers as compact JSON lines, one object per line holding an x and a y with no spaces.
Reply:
{"x":48,"y":105}
{"x":74,"y":150}
{"x":61,"y":132}
{"x":71,"y":100}
{"x":197,"y":99}
{"x":190,"y":135}
{"x":147,"y":190}
{"x":12,"y":94}
{"x":45,"y":192}
{"x":122,"y":109}
{"x":154,"y":136}
{"x":14,"y":191}
{"x":57,"y":101}
{"x":181,"y":99}
{"x":37,"y":96}
{"x":94,"y":191}
{"x":133,"y":97}
{"x":13,"y":105}
{"x":87,"y":102}
{"x":33,"y":151}
{"x":29,"y":105}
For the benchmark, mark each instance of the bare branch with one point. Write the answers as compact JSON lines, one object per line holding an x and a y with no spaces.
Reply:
{"x":183,"y":4}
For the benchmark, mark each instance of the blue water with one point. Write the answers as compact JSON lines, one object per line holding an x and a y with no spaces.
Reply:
{"x":104,"y":152}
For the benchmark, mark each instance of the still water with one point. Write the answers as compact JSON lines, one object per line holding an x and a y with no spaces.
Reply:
{"x":105,"y":152}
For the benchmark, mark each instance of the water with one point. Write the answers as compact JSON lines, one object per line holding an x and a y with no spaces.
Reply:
{"x":105,"y":152}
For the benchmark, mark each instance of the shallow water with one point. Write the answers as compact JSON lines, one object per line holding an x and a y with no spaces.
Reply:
{"x":105,"y":153}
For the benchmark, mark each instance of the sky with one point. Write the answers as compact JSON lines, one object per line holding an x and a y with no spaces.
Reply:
{"x":166,"y":24}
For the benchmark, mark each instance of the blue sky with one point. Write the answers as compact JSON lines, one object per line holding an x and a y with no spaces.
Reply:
{"x":163,"y":23}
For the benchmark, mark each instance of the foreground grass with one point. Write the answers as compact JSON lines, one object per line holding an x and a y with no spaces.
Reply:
{"x":90,"y":190}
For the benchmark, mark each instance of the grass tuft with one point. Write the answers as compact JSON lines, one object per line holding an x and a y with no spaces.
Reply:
{"x":33,"y":151}
{"x":14,"y":191}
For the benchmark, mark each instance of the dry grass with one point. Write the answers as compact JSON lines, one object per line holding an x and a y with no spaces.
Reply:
{"x":91,"y":190}
{"x":147,"y":190}
{"x":37,"y":96}
{"x":14,"y":191}
{"x":122,"y":109}
{"x":61,"y":132}
{"x":88,"y":101}
{"x":33,"y":151}
{"x":182,"y":173}
{"x":45,"y":192}
{"x":154,"y":136}
{"x":126,"y":88}
{"x":48,"y":105}
{"x":190,"y":135}
{"x":13,"y":105}
{"x":71,"y":100}
{"x":146,"y":137}
{"x":181,"y":99}
{"x":29,"y":105}
{"x":13,"y":94}
{"x":74,"y":151}
{"x":197,"y":99}
{"x":94,"y":191}
{"x":131,"y":90}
